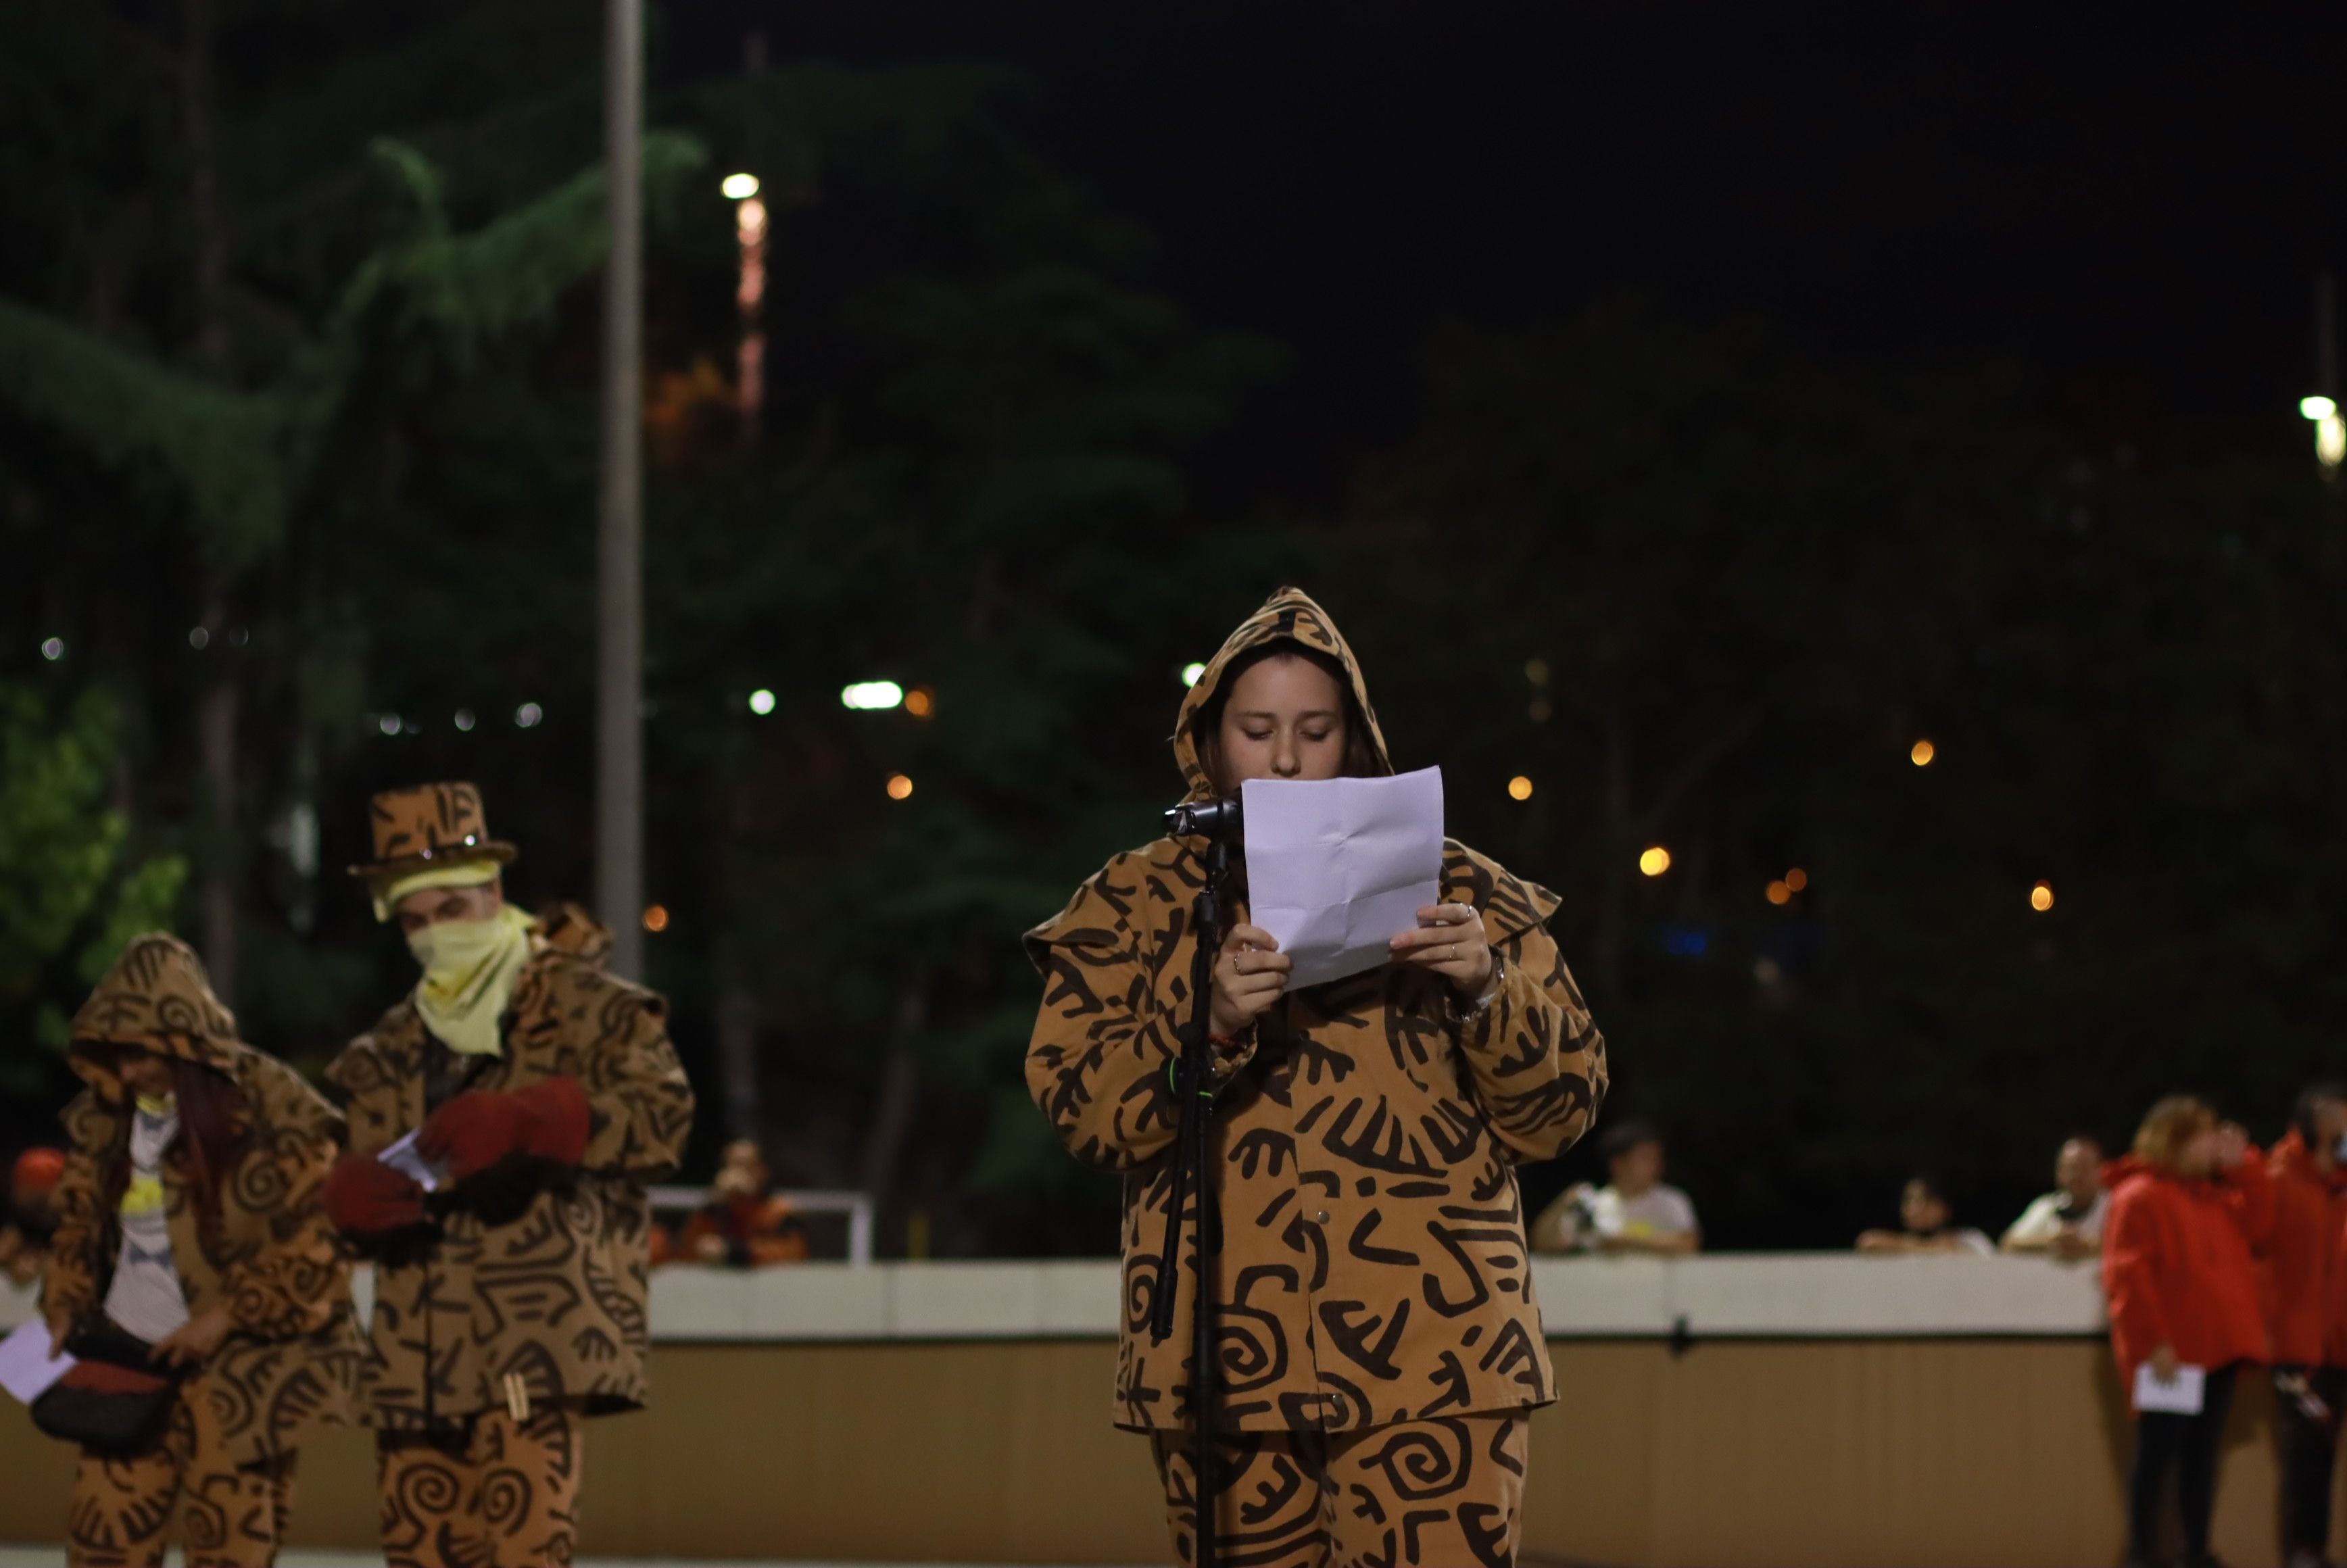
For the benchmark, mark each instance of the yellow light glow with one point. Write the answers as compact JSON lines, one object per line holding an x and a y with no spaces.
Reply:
{"x":2318,"y":407}
{"x":739,"y":187}
{"x":1536,"y":671}
{"x":1520,"y":788}
{"x":1190,"y":673}
{"x":1780,"y":894}
{"x":1797,"y":879}
{"x":1922,"y":753}
{"x":2330,"y":440}
{"x":656,"y":918}
{"x":1655,"y":861}
{"x":920,"y":702}
{"x":2041,"y":898}
{"x":900,"y":786}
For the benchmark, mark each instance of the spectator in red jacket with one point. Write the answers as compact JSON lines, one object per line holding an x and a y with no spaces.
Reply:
{"x":2187,"y":1207}
{"x":2305,"y":1281}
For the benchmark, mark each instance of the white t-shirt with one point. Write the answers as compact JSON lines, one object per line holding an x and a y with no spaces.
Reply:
{"x":1660,"y":1210}
{"x":2043,"y":1219}
{"x":143,"y":1296}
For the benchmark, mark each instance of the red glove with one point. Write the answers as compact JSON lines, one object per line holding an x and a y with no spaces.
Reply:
{"x":364,"y":1195}
{"x":547,"y":1121}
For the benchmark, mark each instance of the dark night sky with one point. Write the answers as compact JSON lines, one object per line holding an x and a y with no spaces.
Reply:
{"x":2117,"y":200}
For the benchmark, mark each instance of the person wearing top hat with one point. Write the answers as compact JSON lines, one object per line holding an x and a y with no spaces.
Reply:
{"x":505,"y":1117}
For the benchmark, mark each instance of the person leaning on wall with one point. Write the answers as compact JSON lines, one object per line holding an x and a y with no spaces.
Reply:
{"x":2066,"y":1222}
{"x":2187,"y":1207}
{"x":193,"y":1273}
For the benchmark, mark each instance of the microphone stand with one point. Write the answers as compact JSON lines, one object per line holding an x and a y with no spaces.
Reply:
{"x":1192,"y":1171}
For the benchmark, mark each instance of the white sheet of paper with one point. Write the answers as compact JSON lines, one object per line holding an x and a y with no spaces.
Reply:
{"x":402,"y":1157}
{"x":2180,"y":1396}
{"x":1338,"y":868}
{"x":25,"y":1369}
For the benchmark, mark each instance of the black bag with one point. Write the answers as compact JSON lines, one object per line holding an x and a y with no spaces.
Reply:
{"x":117,"y":1399}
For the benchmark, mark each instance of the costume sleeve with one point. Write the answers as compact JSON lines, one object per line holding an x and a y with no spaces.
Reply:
{"x":1536,"y":1060}
{"x":77,"y":1265}
{"x":290,"y":1285}
{"x":640,"y":1103}
{"x":1098,"y":1062}
{"x":369,"y":1094}
{"x":2131,"y":1251}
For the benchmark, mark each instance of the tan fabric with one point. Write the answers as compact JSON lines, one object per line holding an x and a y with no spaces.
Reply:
{"x":493,"y":1492}
{"x":1373,"y":1267}
{"x":536,"y":1272}
{"x":1444,"y":1493}
{"x":429,"y":824}
{"x":386,"y":892}
{"x":231,"y":1515}
{"x":292,"y":1361}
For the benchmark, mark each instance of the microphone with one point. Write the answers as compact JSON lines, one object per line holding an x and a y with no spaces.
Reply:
{"x":1215,"y":821}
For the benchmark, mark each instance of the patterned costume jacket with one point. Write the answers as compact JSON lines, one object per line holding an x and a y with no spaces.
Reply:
{"x":292,"y":1359}
{"x":1373,"y":1264}
{"x":528,"y":1269}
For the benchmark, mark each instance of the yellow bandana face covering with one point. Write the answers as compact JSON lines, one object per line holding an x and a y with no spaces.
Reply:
{"x":469,"y":970}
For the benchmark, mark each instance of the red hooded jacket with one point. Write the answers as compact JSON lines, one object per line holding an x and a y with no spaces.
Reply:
{"x":2176,"y":1266}
{"x":2302,"y":1265}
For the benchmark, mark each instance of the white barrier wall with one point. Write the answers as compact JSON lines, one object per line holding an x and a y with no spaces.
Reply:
{"x":1723,"y":1297}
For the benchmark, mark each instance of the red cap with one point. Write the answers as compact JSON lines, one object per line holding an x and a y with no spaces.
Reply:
{"x":39,"y":1169}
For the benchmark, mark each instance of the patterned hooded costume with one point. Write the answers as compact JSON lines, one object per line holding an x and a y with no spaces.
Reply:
{"x":291,"y":1356}
{"x":516,"y":1304}
{"x":1379,"y":1341}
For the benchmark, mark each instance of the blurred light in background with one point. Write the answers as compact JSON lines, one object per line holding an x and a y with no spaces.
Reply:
{"x":1779,"y":893}
{"x":465,"y":720}
{"x":528,"y":716}
{"x":1797,"y":879}
{"x":921,"y":702}
{"x":900,"y":788}
{"x":1190,"y":673}
{"x":1922,"y":753}
{"x":2041,"y":898}
{"x":739,"y":187}
{"x":54,"y":649}
{"x":656,"y":918}
{"x":1536,"y":671}
{"x":199,"y":638}
{"x":871,"y":696}
{"x":2330,"y":431}
{"x":1655,"y":861}
{"x":762,"y":701}
{"x":1520,"y":788}
{"x":388,"y":723}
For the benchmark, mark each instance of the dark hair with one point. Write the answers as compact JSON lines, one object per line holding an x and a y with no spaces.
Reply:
{"x":1625,"y":1136}
{"x":1933,"y":1187}
{"x":1361,"y":759}
{"x":213,"y":1138}
{"x":2310,"y":1099}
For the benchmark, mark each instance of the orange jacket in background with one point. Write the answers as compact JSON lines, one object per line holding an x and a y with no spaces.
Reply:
{"x":2177,"y":1265}
{"x":2303,"y":1267}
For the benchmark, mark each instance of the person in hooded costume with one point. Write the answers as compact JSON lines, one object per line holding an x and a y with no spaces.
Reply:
{"x":542,"y":1095}
{"x":1380,"y":1347}
{"x":190,"y":1230}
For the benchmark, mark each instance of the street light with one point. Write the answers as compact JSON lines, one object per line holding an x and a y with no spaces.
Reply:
{"x":750,"y":293}
{"x":872,"y":696}
{"x":2330,"y":430}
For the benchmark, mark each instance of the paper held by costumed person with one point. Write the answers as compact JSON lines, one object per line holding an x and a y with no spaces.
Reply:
{"x":1337,"y":867}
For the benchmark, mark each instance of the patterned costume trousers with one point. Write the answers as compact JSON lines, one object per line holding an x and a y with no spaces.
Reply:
{"x":491,"y":1492}
{"x":1447,"y":1492}
{"x":231,"y":1516}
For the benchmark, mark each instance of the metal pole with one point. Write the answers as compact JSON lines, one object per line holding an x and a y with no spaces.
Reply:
{"x":620,"y":641}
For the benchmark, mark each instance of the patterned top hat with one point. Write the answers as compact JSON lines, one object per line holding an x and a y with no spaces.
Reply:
{"x":427,"y":825}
